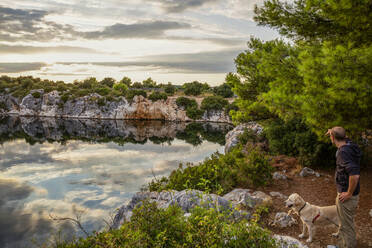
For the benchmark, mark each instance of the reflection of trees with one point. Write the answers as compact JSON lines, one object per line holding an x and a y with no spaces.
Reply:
{"x":40,"y":130}
{"x":196,"y":132}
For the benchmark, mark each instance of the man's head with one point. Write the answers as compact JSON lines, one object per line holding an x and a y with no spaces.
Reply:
{"x":337,"y":134}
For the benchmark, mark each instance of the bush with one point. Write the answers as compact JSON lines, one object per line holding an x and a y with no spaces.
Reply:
{"x":3,"y":106}
{"x":213,"y":103}
{"x":194,"y":113}
{"x":101,"y":102}
{"x":65,"y":97}
{"x":103,"y":91}
{"x":109,"y":82}
{"x":155,"y":96}
{"x":131,"y":93}
{"x":151,"y":226}
{"x":122,"y":87}
{"x":223,"y":90}
{"x":170,"y":89}
{"x":294,"y":138}
{"x":185,"y":102}
{"x":36,"y":94}
{"x":231,"y":107}
{"x":194,"y":88}
{"x":220,"y":173}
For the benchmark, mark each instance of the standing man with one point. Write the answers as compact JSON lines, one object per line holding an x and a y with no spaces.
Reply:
{"x":347,"y":181}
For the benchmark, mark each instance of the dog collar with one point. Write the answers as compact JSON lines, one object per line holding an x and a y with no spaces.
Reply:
{"x":316,"y":217}
{"x":301,"y":208}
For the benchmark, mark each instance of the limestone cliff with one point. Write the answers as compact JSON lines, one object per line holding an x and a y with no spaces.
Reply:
{"x":41,"y":104}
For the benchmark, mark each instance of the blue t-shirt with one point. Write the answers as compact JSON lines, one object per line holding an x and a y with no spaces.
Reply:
{"x":347,"y":164}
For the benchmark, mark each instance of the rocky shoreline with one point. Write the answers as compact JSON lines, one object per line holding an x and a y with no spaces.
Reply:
{"x":40,"y":104}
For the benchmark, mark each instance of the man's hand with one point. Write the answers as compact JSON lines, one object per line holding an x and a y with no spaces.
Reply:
{"x":328,"y":133}
{"x":344,"y":196}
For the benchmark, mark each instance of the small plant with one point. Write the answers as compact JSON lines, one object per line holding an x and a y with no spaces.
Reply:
{"x":36,"y":94}
{"x":213,"y":103}
{"x":169,"y":89}
{"x":101,"y":102}
{"x":156,"y":96}
{"x":3,"y":106}
{"x":186,"y":102}
{"x":65,"y":97}
{"x":194,"y":113}
{"x":132,"y":93}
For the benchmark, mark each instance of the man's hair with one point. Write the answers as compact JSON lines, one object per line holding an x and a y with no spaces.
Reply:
{"x":338,"y":133}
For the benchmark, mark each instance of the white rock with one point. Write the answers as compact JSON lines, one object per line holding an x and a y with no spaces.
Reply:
{"x":307,"y":172}
{"x":279,"y":176}
{"x":282,"y":220}
{"x":370,"y":213}
{"x":278,"y":194}
{"x":232,"y":137}
{"x":288,"y":242}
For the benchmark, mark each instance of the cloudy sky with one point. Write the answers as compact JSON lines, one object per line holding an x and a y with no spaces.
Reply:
{"x":168,"y":40}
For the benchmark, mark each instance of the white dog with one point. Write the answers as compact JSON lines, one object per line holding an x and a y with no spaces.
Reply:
{"x":312,"y":215}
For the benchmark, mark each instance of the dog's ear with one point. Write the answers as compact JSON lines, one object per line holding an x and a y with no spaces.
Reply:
{"x":298,"y":200}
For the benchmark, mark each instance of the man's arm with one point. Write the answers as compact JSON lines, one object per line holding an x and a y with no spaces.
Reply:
{"x":353,"y":182}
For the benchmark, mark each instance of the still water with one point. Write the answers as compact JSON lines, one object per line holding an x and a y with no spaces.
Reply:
{"x":88,"y":168}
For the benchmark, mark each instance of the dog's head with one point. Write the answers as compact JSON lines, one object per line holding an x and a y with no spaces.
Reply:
{"x":295,"y":201}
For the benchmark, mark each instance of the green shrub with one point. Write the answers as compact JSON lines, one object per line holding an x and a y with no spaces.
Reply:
{"x":186,"y":102}
{"x":65,"y":97}
{"x":82,"y":92}
{"x":36,"y":94}
{"x":103,"y":91}
{"x":220,"y":173}
{"x":122,"y":87}
{"x":109,"y":82}
{"x":3,"y":106}
{"x":153,"y":227}
{"x":170,"y":89}
{"x":213,"y":103}
{"x":137,"y":85}
{"x":223,"y":90}
{"x":194,"y":88}
{"x":156,"y":96}
{"x":231,"y":107}
{"x":101,"y":102}
{"x":255,"y":169}
{"x":294,"y":138}
{"x":132,"y":93}
{"x":194,"y":113}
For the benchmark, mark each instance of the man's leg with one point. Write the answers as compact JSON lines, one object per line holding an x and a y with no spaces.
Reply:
{"x":346,"y":211}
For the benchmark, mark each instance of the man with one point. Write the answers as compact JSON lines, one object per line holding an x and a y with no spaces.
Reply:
{"x":347,"y":181}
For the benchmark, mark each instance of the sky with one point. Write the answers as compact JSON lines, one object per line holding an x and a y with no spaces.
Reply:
{"x":168,"y":40}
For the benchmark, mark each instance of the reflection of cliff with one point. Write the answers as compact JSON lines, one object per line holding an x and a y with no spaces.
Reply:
{"x":34,"y":130}
{"x":52,"y":105}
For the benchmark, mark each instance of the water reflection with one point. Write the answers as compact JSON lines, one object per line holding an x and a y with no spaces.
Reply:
{"x":56,"y":166}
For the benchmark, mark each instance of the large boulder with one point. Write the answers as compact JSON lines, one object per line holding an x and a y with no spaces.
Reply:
{"x":248,"y":199}
{"x":232,"y":137}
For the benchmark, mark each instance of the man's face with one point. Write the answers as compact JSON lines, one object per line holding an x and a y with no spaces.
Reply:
{"x":332,"y":138}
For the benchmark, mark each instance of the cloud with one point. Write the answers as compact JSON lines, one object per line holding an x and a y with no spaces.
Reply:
{"x":138,"y":30}
{"x":176,"y":6}
{"x":7,"y":49}
{"x":30,"y":25}
{"x":220,"y":61}
{"x":20,"y":67}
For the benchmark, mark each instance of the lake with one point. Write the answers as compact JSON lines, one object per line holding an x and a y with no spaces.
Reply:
{"x":58,"y":168}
